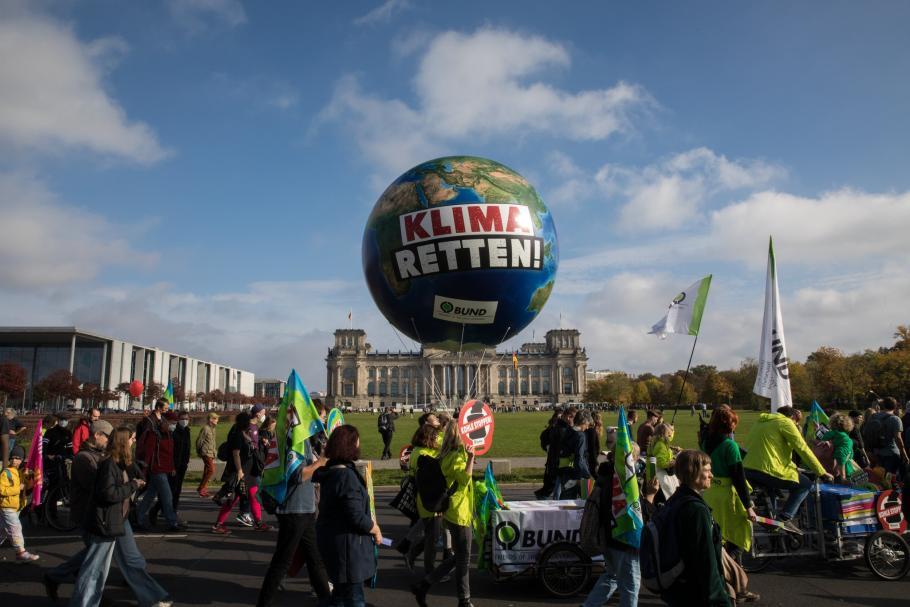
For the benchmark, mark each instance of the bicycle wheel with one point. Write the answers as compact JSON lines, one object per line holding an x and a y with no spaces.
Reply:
{"x":564,"y":569}
{"x":763,"y":542}
{"x":888,"y":555}
{"x":57,"y":511}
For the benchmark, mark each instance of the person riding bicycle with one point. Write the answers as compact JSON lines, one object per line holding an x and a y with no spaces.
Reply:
{"x":770,"y":446}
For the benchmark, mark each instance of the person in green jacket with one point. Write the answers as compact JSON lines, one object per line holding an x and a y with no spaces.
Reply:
{"x":698,"y":538}
{"x":664,"y":454}
{"x":770,"y":446}
{"x":457,"y":463}
{"x":425,"y":442}
{"x":841,"y":425}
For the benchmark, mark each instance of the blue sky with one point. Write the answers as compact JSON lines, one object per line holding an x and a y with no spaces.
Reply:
{"x":195,"y":174}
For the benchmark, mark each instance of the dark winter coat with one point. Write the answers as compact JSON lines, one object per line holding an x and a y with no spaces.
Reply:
{"x":181,"y":448}
{"x":344,"y":523}
{"x":110,"y":499}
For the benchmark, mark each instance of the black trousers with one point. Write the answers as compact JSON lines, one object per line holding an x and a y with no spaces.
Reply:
{"x":387,"y":444}
{"x":294,"y":530}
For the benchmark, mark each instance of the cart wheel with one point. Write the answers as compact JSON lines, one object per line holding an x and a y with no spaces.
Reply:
{"x":887,"y":555}
{"x":564,"y":569}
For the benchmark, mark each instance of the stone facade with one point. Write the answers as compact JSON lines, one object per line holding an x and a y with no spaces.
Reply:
{"x":552,"y":371}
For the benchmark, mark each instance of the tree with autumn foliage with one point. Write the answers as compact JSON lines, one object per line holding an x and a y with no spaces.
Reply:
{"x":13,"y":381}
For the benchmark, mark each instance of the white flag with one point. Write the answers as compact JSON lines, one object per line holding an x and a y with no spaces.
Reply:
{"x":773,"y":379}
{"x":686,"y":309}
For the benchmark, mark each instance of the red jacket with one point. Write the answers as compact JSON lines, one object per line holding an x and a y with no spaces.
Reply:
{"x":82,"y":432}
{"x":158,"y":450}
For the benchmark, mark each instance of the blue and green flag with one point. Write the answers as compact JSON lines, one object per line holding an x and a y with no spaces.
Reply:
{"x":816,"y":424}
{"x":169,"y":394}
{"x":298,"y":420}
{"x":626,"y":507}
{"x":487,"y":498}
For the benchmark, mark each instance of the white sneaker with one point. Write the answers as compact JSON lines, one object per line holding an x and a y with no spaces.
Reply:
{"x":245,"y":519}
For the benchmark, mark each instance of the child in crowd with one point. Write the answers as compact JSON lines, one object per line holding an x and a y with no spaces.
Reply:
{"x":10,"y":488}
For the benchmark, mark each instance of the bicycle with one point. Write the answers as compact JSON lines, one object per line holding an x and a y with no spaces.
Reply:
{"x":56,"y":509}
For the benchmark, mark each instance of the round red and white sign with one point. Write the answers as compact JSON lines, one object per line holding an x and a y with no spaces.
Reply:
{"x":889,"y":513}
{"x":475,"y":426}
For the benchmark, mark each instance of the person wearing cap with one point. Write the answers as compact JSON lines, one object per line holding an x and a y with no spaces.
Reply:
{"x":82,"y":485}
{"x":10,"y":488}
{"x":158,"y":461}
{"x":207,"y":449}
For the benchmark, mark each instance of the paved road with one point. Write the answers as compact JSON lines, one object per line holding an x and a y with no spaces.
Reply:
{"x":201,"y":569}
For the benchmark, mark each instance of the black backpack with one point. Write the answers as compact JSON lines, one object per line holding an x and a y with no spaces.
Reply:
{"x":223,"y":452}
{"x":874,"y":431}
{"x":660,"y":558}
{"x":431,"y":485}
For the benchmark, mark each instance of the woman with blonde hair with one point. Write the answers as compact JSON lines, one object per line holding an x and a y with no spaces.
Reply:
{"x":457,"y":464}
{"x":663,"y":453}
{"x":841,"y":425}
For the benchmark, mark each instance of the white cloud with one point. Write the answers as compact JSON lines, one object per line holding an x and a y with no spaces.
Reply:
{"x":671,"y":194}
{"x":54,"y":95}
{"x":45,"y":242}
{"x":382,"y":13}
{"x":841,"y":226}
{"x":198,"y":15}
{"x":481,"y":85}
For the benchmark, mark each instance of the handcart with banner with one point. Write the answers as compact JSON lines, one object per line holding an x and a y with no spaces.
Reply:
{"x":838,"y":523}
{"x":539,"y":539}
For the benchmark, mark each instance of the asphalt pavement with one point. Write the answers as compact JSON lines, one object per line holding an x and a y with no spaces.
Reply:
{"x":200,"y":568}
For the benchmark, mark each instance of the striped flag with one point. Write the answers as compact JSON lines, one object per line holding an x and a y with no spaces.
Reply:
{"x":297,"y":420}
{"x":626,"y":507}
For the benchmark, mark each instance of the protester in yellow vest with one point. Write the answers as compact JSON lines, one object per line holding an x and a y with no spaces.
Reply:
{"x":770,"y":446}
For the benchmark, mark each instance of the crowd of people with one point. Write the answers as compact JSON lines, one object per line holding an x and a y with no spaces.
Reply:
{"x":325,"y":520}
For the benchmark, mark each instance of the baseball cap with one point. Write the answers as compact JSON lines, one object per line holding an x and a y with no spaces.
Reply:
{"x":103,"y":427}
{"x":256,"y":409}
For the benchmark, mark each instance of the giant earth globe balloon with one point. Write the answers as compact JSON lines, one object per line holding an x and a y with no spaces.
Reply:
{"x":460,"y":252}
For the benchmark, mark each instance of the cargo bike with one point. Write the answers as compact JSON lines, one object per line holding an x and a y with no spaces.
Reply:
{"x":838,"y":523}
{"x":539,"y":539}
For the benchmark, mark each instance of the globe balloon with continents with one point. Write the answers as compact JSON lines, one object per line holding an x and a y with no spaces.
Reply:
{"x":460,"y":252}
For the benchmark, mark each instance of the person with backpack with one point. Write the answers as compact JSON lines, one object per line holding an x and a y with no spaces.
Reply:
{"x":297,"y":531}
{"x":621,"y":561}
{"x":697,"y":538}
{"x":346,"y":533}
{"x":455,"y":465}
{"x":206,"y":448}
{"x":883,"y":435}
{"x":573,"y":461}
{"x":386,"y":425}
{"x":425,"y":443}
{"x":241,"y":455}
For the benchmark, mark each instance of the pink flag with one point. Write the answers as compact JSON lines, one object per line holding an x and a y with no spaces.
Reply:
{"x":36,"y":464}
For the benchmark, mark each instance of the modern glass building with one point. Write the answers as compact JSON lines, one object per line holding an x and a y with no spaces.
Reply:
{"x":108,"y":362}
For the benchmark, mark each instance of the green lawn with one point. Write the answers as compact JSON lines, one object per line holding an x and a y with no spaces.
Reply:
{"x":515,"y":434}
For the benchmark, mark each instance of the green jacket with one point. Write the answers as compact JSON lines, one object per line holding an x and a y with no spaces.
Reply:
{"x":770,"y":445}
{"x":461,"y":507}
{"x":660,"y":450}
{"x":412,"y":471}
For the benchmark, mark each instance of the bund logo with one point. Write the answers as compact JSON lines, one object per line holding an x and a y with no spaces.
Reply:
{"x":507,"y":534}
{"x":446,"y":307}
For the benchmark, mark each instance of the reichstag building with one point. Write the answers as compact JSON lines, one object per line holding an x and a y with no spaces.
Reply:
{"x":552,"y":371}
